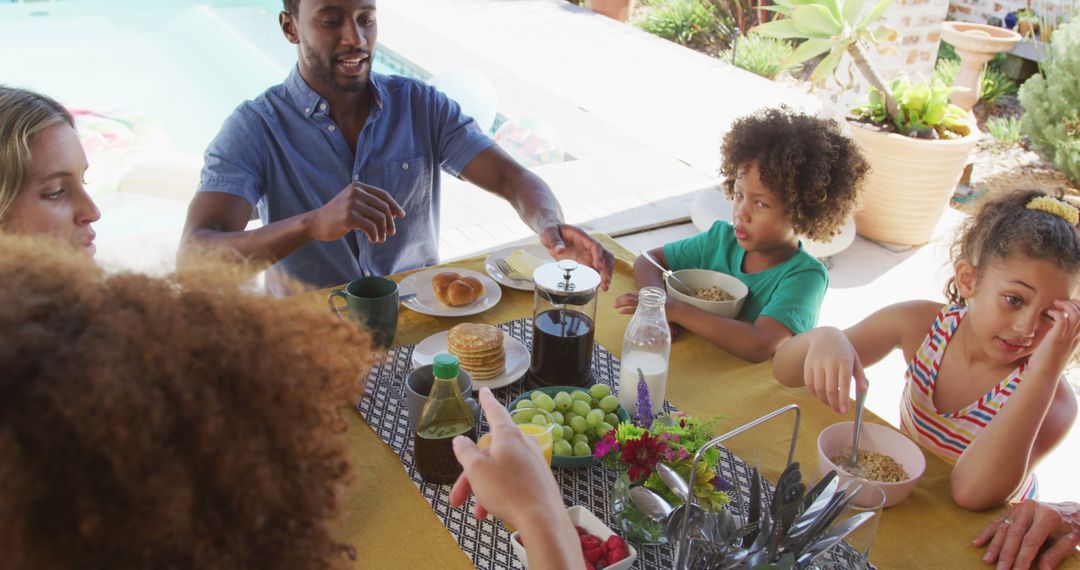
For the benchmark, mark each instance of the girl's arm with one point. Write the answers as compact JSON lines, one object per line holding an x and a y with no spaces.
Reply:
{"x":826,"y":359}
{"x":1031,"y":423}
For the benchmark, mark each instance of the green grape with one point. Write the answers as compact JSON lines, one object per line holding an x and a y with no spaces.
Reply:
{"x":525,"y":416}
{"x":612,"y":419}
{"x":562,"y":447}
{"x":609,"y":403}
{"x":540,"y":420}
{"x":594,"y":418}
{"x":603,"y":429}
{"x":599,"y":391}
{"x":524,"y":403}
{"x":581,"y":408}
{"x":578,"y":438}
{"x":558,"y":417}
{"x":556,"y":432}
{"x":579,"y":425}
{"x":581,"y":449}
{"x":544,"y":402}
{"x":581,"y":395}
{"x":563,"y":401}
{"x":568,"y":417}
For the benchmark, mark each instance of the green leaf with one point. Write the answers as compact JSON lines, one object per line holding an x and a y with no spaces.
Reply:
{"x":808,"y":49}
{"x":827,"y":66}
{"x":834,"y":9}
{"x":778,"y":9}
{"x":781,"y":29}
{"x":875,"y":12}
{"x":852,"y":9}
{"x":816,"y":21}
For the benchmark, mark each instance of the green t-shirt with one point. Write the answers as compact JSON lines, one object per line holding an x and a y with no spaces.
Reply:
{"x":791,"y":292}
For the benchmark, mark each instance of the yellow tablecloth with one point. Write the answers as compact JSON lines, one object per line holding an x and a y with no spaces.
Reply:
{"x":392,"y":525}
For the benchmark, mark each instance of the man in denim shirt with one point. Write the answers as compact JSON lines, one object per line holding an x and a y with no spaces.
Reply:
{"x":343,"y":164}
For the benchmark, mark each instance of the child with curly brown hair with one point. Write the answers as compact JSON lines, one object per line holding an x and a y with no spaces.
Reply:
{"x":984,"y":388}
{"x":789,"y":175}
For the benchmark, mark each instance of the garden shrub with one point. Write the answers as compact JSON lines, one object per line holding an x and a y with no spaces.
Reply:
{"x":686,"y":22}
{"x":760,"y":55}
{"x":1051,"y":101}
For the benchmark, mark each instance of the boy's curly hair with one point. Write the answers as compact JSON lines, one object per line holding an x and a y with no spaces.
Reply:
{"x":167,"y":422}
{"x":1005,"y":227}
{"x":816,"y":170}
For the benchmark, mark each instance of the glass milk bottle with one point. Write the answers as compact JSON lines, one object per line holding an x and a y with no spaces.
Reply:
{"x":646,"y":347}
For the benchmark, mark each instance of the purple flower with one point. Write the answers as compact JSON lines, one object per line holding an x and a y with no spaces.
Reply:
{"x":644,"y":417}
{"x":721,"y":484}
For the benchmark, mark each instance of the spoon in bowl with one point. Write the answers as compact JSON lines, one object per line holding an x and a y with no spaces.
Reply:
{"x":677,"y":284}
{"x":851,"y":464}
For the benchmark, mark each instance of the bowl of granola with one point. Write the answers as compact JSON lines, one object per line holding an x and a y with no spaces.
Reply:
{"x":714,"y":292}
{"x":886,"y":458}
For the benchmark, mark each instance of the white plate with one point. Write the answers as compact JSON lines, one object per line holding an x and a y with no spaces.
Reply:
{"x":426,"y":302}
{"x":535,"y":250}
{"x":517,"y":358}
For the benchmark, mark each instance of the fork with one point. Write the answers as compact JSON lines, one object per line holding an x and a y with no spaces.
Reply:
{"x":508,"y":271}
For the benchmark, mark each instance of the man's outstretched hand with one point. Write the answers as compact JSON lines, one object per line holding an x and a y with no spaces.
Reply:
{"x":564,"y":241}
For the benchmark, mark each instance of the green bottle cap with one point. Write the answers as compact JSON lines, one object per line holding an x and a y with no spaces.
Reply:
{"x":446,"y":366}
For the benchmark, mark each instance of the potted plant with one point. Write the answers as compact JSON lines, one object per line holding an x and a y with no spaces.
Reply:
{"x":916,"y":142}
{"x":1027,"y":23}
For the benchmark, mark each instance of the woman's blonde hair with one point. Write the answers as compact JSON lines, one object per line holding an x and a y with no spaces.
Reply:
{"x":23,"y":114}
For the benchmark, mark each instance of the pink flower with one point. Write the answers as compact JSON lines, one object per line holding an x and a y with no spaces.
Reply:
{"x":606,"y":445}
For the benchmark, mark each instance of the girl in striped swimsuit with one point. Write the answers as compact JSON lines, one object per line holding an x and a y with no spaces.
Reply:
{"x":984,"y":387}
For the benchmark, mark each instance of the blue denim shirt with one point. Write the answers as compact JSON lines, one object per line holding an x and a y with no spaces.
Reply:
{"x":283,"y":153}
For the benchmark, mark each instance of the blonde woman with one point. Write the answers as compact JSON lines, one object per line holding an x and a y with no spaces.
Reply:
{"x":42,"y":165}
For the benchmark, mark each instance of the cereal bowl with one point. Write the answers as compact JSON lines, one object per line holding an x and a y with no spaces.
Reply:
{"x":878,"y":438}
{"x":698,"y":279}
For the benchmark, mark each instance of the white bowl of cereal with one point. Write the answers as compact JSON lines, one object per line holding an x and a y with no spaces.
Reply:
{"x":714,"y":292}
{"x":889,"y":459}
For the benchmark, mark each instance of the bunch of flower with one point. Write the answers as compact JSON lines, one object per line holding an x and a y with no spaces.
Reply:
{"x":636,"y":447}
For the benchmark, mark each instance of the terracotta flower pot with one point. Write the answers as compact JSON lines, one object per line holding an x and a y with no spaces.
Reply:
{"x":909,"y":184}
{"x":617,"y":9}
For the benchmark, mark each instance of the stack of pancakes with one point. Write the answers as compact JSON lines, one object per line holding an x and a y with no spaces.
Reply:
{"x":479,"y":348}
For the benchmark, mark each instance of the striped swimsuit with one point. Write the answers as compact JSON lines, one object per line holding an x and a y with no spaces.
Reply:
{"x":948,"y":435}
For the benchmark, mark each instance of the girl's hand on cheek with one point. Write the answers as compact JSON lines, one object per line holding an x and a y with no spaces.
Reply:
{"x":1061,"y":340}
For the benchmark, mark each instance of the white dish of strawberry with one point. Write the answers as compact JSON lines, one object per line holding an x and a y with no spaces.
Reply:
{"x":603,"y":549}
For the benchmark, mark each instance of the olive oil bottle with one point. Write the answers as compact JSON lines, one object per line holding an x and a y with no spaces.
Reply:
{"x":444,"y":417}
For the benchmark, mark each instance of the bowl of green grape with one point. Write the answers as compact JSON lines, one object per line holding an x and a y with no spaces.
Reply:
{"x":582,"y":417}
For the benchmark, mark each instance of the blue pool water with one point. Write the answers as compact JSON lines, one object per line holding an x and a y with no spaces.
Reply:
{"x":181,"y":65}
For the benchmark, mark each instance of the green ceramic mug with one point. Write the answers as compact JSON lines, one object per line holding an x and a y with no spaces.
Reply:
{"x":373,"y":304}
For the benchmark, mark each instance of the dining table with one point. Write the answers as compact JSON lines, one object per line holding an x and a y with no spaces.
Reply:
{"x":385,"y":517}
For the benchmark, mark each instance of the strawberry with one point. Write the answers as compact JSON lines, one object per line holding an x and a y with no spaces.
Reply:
{"x":589,"y":566}
{"x":616,"y":554}
{"x":614,"y":541}
{"x":580,"y":530}
{"x":600,"y":564}
{"x":593,"y":555}
{"x":589,"y":541}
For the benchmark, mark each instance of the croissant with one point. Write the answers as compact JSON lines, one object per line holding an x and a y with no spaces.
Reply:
{"x":455,"y":290}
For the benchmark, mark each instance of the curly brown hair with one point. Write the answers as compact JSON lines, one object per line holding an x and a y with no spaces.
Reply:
{"x":174,"y":422}
{"x":816,"y":170}
{"x":1005,"y":227}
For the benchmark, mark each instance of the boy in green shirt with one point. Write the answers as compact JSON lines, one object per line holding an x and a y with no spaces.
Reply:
{"x":789,"y":175}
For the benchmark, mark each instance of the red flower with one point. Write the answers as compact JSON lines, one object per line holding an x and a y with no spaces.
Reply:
{"x":641,"y":455}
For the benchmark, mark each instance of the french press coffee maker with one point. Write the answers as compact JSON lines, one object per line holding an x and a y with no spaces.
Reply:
{"x":564,"y":313}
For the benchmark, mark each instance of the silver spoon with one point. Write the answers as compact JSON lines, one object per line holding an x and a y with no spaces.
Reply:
{"x":851,"y":465}
{"x":652,"y":505}
{"x":674,"y":481}
{"x":682,"y":287}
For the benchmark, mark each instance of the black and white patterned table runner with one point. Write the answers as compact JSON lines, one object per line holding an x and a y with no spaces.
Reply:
{"x":385,"y":409}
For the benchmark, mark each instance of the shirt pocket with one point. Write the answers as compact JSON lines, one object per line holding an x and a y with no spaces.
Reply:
{"x":409,"y":182}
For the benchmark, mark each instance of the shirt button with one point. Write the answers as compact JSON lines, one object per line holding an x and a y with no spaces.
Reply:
{"x":322,"y":106}
{"x":307,"y":109}
{"x":404,"y":165}
{"x":331,"y":128}
{"x":356,"y":177}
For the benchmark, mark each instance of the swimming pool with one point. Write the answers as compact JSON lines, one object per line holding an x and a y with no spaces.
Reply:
{"x":179,"y":66}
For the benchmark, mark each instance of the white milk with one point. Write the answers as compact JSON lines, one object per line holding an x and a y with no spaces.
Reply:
{"x":655,"y":368}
